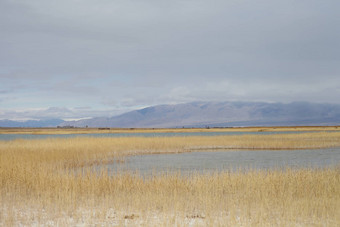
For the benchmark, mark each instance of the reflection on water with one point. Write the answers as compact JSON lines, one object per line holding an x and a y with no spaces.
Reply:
{"x":148,"y":134}
{"x":212,"y":161}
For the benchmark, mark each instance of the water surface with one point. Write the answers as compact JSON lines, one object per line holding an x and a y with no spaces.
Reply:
{"x":148,"y":134}
{"x":212,"y":161}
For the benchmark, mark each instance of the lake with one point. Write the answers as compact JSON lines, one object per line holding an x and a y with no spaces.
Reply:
{"x":160,"y":134}
{"x":217,"y":161}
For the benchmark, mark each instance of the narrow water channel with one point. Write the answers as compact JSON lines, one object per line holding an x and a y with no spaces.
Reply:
{"x":216,"y":161}
{"x":147,"y":134}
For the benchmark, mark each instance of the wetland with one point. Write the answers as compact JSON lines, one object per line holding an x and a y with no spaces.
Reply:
{"x":248,"y":179}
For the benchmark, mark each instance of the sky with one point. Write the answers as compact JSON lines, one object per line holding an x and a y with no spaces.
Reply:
{"x":75,"y":59}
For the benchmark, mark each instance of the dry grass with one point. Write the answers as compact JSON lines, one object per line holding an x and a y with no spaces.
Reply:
{"x":299,"y":197}
{"x":40,"y":185}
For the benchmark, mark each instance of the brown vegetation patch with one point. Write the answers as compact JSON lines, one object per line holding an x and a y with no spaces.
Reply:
{"x":132,"y":216}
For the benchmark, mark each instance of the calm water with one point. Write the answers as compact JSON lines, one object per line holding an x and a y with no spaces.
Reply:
{"x":163,"y":134}
{"x":212,"y":161}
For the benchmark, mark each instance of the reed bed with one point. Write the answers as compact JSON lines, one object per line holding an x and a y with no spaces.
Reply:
{"x":290,"y":198}
{"x":54,"y":182}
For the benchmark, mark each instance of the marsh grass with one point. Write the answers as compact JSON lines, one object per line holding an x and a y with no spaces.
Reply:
{"x":53,"y":182}
{"x":293,"y":197}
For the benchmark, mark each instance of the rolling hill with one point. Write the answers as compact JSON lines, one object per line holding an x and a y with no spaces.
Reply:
{"x":220,"y":114}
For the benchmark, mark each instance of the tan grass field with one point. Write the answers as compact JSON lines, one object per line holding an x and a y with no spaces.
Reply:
{"x":52,"y":182}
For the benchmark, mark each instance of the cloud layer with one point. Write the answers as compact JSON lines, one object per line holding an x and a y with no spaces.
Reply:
{"x":119,"y":55}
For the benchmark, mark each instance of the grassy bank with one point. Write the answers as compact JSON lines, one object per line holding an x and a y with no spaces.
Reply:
{"x":79,"y":150}
{"x":39,"y":185}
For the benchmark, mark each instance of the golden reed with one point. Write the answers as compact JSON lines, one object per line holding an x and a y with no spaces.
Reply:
{"x":53,"y":182}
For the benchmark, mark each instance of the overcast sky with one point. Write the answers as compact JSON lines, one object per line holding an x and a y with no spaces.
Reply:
{"x":85,"y":58}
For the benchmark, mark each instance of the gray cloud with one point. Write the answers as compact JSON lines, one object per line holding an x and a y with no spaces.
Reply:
{"x":124,"y":54}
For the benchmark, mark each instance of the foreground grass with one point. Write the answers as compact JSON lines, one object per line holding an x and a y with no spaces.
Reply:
{"x":41,"y":184}
{"x":293,"y":197}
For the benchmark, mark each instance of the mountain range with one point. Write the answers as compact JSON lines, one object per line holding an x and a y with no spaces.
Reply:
{"x":220,"y":114}
{"x":204,"y":114}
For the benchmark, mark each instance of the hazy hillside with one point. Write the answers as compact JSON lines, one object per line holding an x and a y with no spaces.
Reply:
{"x":31,"y":123}
{"x":200,"y":114}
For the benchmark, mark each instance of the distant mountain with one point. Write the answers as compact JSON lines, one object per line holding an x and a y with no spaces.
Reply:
{"x":31,"y":123}
{"x":220,"y":114}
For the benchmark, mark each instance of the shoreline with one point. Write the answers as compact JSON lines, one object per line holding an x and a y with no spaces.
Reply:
{"x":61,"y":131}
